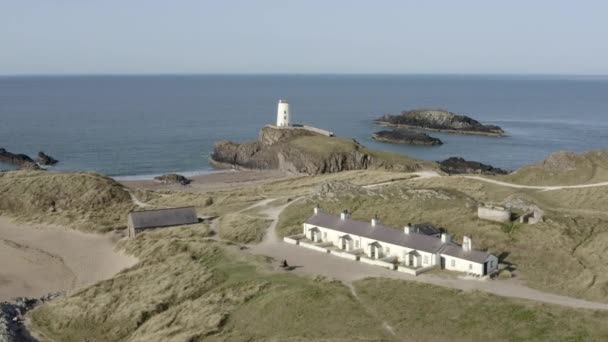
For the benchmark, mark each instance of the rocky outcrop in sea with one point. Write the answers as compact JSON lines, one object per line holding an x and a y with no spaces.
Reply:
{"x":439,"y":120}
{"x":405,"y":136}
{"x":45,"y":160}
{"x":456,"y":165}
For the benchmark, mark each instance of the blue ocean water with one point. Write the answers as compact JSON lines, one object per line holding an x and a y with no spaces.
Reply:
{"x":146,"y":125}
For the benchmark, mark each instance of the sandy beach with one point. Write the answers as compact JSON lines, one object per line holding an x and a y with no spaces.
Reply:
{"x":221,"y":180}
{"x":39,"y":259}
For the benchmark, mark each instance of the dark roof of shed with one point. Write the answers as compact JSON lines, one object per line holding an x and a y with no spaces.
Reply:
{"x":379,"y":232}
{"x":163,"y":217}
{"x":456,"y":251}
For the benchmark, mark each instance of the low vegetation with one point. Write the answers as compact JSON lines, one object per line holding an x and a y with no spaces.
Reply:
{"x":571,"y":241}
{"x":82,"y":200}
{"x":190,"y":288}
{"x":564,"y":168}
{"x":422,"y":312}
{"x":242,"y":227}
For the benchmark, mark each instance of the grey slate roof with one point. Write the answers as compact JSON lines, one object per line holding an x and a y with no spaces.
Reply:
{"x":163,"y":217}
{"x":421,"y":242}
{"x":456,"y":251}
{"x":379,"y":232}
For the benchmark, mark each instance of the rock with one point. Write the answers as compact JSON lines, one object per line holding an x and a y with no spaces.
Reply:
{"x":20,"y":160}
{"x":456,"y":165}
{"x":173,"y":178}
{"x":44,"y":159}
{"x":439,"y":120}
{"x":301,"y":151}
{"x":403,"y":136}
{"x":12,"y":316}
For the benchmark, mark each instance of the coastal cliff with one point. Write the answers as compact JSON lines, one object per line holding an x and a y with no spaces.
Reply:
{"x":302,"y":151}
{"x":439,"y":120}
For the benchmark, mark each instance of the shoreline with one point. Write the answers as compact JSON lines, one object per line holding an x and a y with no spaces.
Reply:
{"x":486,"y":134}
{"x":213,"y":181}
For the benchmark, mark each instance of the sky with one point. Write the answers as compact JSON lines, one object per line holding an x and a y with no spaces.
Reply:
{"x":312,"y":36}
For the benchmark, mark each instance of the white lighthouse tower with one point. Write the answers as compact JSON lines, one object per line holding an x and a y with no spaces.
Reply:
{"x":283,"y":113}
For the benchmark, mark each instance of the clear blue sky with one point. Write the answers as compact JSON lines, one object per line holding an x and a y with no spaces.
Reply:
{"x":309,"y":36}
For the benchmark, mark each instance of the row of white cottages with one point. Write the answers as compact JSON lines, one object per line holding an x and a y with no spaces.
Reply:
{"x":410,"y":248}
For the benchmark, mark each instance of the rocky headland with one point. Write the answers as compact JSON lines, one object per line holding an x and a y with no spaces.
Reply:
{"x":405,"y":136}
{"x":301,"y":151}
{"x":456,"y":165}
{"x":22,"y":161}
{"x":439,"y":120}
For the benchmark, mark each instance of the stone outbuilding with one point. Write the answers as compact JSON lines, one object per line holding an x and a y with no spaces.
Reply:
{"x":139,"y":221}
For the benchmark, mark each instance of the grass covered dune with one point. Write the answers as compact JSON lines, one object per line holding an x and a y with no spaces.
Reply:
{"x":190,"y":288}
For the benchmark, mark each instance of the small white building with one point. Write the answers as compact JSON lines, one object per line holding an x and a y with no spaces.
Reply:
{"x":406,"y":247}
{"x":283,"y":115}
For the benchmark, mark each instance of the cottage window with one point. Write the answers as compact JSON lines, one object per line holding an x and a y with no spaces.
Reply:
{"x":470,"y":266}
{"x":426,"y":259}
{"x":324,"y":235}
{"x":388,"y":250}
{"x":356,"y":243}
{"x":453,"y":262}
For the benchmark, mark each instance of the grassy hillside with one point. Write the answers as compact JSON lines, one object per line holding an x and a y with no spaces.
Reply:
{"x":565,"y":254}
{"x":189,"y":288}
{"x":83,"y":200}
{"x":242,"y":227}
{"x":564,"y":168}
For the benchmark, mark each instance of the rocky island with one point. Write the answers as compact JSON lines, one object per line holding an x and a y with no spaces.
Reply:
{"x":439,"y":120}
{"x":405,"y":136}
{"x":302,"y":151}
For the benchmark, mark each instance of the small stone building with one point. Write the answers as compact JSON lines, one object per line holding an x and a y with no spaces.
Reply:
{"x":158,"y":218}
{"x":496,"y":214}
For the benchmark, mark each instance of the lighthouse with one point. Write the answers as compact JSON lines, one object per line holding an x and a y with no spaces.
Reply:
{"x":283,"y":114}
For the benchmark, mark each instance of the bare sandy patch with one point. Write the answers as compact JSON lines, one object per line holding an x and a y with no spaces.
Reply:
{"x":38,"y":259}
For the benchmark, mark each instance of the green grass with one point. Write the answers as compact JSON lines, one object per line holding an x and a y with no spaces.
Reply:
{"x":243,"y":228}
{"x":422,"y":312}
{"x":565,"y":254}
{"x":189,"y":288}
{"x":83,"y":200}
{"x":564,"y":168}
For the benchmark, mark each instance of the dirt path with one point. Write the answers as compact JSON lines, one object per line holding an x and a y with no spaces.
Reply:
{"x":309,"y":262}
{"x":36,"y":260}
{"x":136,"y":201}
{"x":538,"y":187}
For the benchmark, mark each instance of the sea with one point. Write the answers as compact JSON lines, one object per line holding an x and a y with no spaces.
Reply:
{"x":135,"y":127}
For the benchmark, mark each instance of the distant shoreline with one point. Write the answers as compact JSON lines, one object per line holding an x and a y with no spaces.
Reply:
{"x":487,"y":134}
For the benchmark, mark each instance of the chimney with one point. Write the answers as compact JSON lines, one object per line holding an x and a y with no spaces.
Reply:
{"x":445,"y":238}
{"x":316,"y":209}
{"x":467,"y":244}
{"x":375,"y":220}
{"x":344,"y":215}
{"x":406,"y":229}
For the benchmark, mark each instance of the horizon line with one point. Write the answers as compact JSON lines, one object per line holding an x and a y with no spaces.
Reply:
{"x":118,"y":74}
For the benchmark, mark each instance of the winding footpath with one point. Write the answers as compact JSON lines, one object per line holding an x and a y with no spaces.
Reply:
{"x":308,"y":262}
{"x":537,"y":187}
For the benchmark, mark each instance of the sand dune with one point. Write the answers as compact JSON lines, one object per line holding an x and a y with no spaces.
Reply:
{"x":38,"y":259}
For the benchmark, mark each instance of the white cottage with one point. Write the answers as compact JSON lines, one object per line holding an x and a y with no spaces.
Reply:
{"x":408,"y":248}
